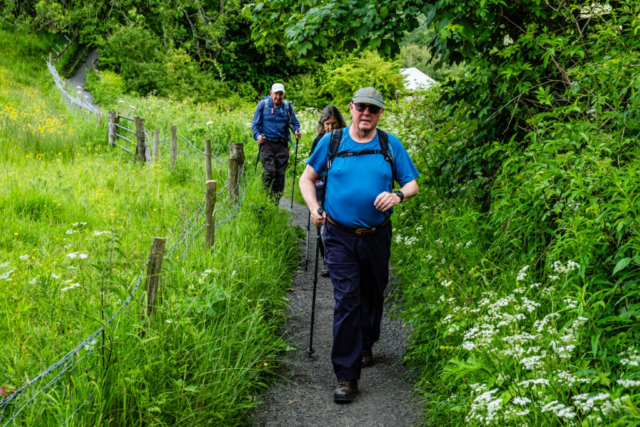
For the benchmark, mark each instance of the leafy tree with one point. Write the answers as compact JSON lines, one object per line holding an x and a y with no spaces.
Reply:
{"x":416,"y":52}
{"x":524,"y":58}
{"x":215,"y":35}
{"x":313,"y":25}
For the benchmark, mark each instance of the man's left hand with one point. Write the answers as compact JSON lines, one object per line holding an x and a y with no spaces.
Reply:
{"x":298,"y":135}
{"x":386,"y":201}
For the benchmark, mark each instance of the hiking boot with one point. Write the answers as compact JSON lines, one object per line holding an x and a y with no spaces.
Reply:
{"x":346,"y":391}
{"x":367,"y":357}
{"x":325,"y":271}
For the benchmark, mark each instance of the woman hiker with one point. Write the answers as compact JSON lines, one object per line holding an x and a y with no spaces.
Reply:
{"x":330,"y":119}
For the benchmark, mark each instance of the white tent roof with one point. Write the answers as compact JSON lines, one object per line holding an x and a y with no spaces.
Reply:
{"x":414,"y":79}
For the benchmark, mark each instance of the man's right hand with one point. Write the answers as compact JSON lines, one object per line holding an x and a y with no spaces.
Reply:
{"x":260,"y":139}
{"x":317,"y":219}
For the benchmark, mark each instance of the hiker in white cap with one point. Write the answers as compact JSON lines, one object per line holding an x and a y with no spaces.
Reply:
{"x":272,"y":121}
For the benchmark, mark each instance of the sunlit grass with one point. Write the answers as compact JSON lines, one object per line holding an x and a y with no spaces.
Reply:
{"x":77,"y":220}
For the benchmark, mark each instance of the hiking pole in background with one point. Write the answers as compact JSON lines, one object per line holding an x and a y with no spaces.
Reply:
{"x":295,"y":166}
{"x":306,"y":251}
{"x":258,"y":159}
{"x":320,"y":197}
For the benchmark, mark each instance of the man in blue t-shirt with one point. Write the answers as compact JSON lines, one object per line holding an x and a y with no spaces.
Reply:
{"x":270,"y":125}
{"x":358,"y":204}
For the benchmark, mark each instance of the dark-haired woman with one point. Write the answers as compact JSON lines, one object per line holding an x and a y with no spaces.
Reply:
{"x":330,"y":120}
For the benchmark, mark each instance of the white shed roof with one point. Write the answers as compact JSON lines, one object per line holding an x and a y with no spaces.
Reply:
{"x":414,"y":79}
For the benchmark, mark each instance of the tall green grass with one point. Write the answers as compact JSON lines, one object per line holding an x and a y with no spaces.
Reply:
{"x":78,"y":218}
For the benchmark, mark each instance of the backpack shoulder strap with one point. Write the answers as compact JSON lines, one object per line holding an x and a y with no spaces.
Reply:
{"x":383,"y":138}
{"x":316,"y":140}
{"x":334,"y":145}
{"x":287,"y":108}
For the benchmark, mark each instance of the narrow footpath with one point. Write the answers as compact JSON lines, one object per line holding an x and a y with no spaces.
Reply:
{"x":76,"y":83}
{"x":303,"y":395}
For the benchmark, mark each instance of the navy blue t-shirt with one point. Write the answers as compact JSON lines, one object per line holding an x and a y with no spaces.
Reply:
{"x":355,"y":182}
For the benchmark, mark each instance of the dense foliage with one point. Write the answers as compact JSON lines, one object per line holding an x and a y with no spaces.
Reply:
{"x":523,"y":276}
{"x":521,"y":254}
{"x":205,"y":47}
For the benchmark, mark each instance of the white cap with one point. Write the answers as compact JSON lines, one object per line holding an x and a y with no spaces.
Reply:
{"x":277,"y":87}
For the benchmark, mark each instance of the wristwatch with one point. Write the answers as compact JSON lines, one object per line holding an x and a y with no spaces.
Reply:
{"x":399,"y":194}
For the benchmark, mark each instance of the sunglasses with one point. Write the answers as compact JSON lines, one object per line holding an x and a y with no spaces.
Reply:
{"x":373,"y":109}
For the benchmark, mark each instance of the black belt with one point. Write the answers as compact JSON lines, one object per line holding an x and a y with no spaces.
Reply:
{"x":276,"y":140}
{"x":359,"y":231}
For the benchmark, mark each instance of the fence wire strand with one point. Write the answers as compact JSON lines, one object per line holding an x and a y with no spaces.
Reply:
{"x":66,"y":360}
{"x":59,"y":84}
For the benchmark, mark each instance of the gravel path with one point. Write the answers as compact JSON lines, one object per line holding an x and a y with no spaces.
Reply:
{"x":304,"y":394}
{"x":77,"y":81}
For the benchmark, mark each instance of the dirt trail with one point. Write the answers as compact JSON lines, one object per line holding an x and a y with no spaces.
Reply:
{"x":304,"y":394}
{"x":76,"y":83}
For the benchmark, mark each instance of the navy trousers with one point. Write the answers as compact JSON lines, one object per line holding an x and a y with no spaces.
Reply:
{"x":359,"y":268}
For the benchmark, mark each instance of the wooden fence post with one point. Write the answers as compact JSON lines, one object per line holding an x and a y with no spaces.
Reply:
{"x":141,"y":148}
{"x":233,"y":180}
{"x":210,"y":213}
{"x":237,"y":152}
{"x":156,"y":146}
{"x":207,"y":159}
{"x":156,"y":257}
{"x":174,"y":146}
{"x":112,"y":128}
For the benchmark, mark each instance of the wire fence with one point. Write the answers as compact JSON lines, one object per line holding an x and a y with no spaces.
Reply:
{"x":29,"y":401}
{"x":61,"y":85}
{"x":18,"y":401}
{"x":29,"y":391}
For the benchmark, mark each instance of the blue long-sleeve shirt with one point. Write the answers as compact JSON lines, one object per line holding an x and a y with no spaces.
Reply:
{"x":275,"y":120}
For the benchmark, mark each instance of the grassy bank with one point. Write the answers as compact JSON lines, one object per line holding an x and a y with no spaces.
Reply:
{"x":78,"y":219}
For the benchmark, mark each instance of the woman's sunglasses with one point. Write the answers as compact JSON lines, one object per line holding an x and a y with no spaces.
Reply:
{"x":360,"y":108}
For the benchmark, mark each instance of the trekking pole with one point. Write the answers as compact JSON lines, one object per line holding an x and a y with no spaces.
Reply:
{"x":310,"y":350}
{"x":320,"y":188}
{"x":295,"y":166}
{"x":306,"y":257}
{"x":258,"y":159}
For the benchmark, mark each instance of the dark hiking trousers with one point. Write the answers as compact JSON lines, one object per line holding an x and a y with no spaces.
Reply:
{"x":359,"y":268}
{"x":274,"y":157}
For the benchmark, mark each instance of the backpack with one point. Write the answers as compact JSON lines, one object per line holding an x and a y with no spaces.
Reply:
{"x":334,"y":146}
{"x":285,"y":104}
{"x":287,"y":107}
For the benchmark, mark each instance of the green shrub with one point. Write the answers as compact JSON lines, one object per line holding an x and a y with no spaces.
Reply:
{"x":304,"y":91}
{"x":106,"y":90}
{"x":135,"y":53}
{"x":367,"y":69}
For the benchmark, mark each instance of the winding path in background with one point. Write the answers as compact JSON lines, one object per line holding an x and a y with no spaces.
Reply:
{"x":303,"y":395}
{"x":75,"y":84}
